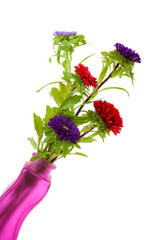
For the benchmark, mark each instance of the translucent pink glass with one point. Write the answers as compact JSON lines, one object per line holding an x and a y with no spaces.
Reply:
{"x":22,"y":196}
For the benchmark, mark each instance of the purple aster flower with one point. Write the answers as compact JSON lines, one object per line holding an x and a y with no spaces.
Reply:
{"x":128,"y":52}
{"x":59,"y":33}
{"x":65,"y":128}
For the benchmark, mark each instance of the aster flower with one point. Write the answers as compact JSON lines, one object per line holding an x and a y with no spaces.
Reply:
{"x":110,"y":115}
{"x":66,"y":34}
{"x":128,"y":52}
{"x":65,"y":128}
{"x":86,"y":76}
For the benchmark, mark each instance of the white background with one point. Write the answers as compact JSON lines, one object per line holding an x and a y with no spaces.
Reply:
{"x":114,"y":194}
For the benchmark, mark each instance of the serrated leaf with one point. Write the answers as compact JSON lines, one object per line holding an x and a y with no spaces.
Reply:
{"x":64,"y":89}
{"x":71,"y":101}
{"x":33,"y":143}
{"x":38,"y":124}
{"x":67,"y":76}
{"x":58,"y":97}
{"x":50,"y":113}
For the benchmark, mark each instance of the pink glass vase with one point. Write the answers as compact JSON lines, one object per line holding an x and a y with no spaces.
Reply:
{"x":22,"y":196}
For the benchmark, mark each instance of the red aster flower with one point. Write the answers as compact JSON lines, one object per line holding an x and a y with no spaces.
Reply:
{"x":86,"y":76}
{"x":110,"y":115}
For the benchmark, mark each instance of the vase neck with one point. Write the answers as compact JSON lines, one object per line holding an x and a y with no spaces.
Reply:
{"x":42,"y":168}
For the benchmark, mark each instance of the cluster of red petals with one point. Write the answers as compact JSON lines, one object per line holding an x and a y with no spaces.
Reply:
{"x":86,"y":76}
{"x":110,"y":115}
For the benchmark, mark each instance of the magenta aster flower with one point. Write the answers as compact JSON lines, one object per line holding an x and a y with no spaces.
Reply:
{"x":59,"y":33}
{"x":128,"y":52}
{"x":65,"y":128}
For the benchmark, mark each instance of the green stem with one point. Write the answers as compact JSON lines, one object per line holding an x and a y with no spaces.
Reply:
{"x":68,"y":63}
{"x":39,"y":140}
{"x":105,"y":80}
{"x":46,"y":147}
{"x":53,"y":159}
{"x":52,"y":156}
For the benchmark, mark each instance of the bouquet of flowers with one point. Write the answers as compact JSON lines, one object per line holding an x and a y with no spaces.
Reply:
{"x":67,"y":125}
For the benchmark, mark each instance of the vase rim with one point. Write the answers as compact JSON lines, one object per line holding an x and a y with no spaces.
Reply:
{"x":45,"y":163}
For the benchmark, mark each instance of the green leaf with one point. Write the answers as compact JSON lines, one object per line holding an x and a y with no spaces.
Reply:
{"x":94,"y":94}
{"x":92,"y":116}
{"x":119,"y":71}
{"x":103,"y":74}
{"x":38,"y":124}
{"x":65,"y":65}
{"x":106,"y":58}
{"x":50,"y":138}
{"x":63,"y":89}
{"x":77,"y":146}
{"x":71,"y":101}
{"x":33,"y":143}
{"x":126,"y":65}
{"x":65,"y":147}
{"x":68,"y":113}
{"x":66,"y":46}
{"x":79,"y":153}
{"x":125,"y":74}
{"x":80,"y":120}
{"x":58,"y":97}
{"x":67,"y":76}
{"x":88,"y":57}
{"x":86,"y":128}
{"x":58,"y":150}
{"x":115,"y":88}
{"x":47,"y":129}
{"x":58,"y":55}
{"x":40,"y":155}
{"x":50,"y":113}
{"x":94,"y":134}
{"x":48,"y":84}
{"x":87,"y":140}
{"x":83,"y":104}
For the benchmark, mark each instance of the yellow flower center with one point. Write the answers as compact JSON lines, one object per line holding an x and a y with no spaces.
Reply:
{"x":66,"y":127}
